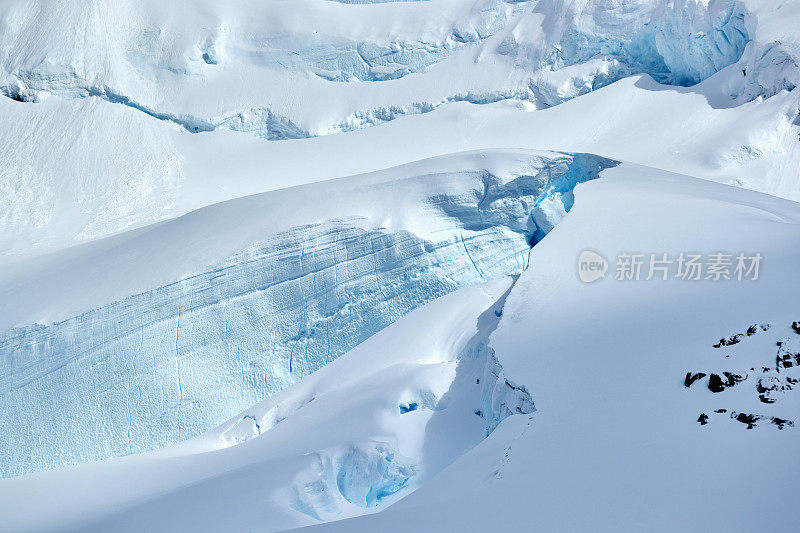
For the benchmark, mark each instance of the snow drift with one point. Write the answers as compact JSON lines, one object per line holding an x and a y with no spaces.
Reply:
{"x":322,"y":222}
{"x":168,"y":363}
{"x":400,"y":423}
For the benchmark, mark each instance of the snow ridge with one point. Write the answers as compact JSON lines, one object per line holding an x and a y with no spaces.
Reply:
{"x":172,"y":362}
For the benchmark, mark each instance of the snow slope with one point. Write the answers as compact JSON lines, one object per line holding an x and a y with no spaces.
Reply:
{"x":342,"y":219}
{"x":613,"y":442}
{"x":321,"y":66}
{"x":347,"y":440}
{"x":117,"y":87}
{"x":86,"y":192}
{"x":201,"y":316}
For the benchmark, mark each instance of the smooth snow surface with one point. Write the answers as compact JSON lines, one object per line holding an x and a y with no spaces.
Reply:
{"x":295,"y":278}
{"x":269,"y":264}
{"x":103,"y":97}
{"x":604,"y":365}
{"x":615,"y":443}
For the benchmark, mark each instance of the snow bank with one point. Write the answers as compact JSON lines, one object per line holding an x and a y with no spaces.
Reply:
{"x":171,"y":362}
{"x":337,"y":444}
{"x":102,"y":103}
{"x":336,"y":57}
{"x":618,"y":441}
{"x":613,"y":421}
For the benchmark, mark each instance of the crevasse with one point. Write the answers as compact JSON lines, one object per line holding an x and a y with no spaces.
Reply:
{"x":170,"y":363}
{"x":586,"y":46}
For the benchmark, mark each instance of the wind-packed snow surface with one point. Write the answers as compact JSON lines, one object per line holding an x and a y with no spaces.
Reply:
{"x":622,"y":438}
{"x":347,"y":228}
{"x":113,"y":375}
{"x":581,"y":388}
{"x":103,"y":96}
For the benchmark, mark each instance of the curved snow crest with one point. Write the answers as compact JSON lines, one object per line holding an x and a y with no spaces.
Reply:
{"x":167,"y":364}
{"x":251,"y":486}
{"x":183,"y":356}
{"x":558,"y":338}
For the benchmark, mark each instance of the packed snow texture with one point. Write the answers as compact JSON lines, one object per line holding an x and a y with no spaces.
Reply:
{"x":128,"y":54}
{"x":164,"y":265}
{"x":125,"y":81}
{"x":616,"y":442}
{"x":164,"y":365}
{"x":350,"y":439}
{"x":605,"y":362}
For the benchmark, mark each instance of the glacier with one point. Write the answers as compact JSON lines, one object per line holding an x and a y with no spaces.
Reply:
{"x":132,"y":81}
{"x":615,"y":442}
{"x":546,"y":52}
{"x":307,"y":466}
{"x":612,"y":420}
{"x":169,"y":363}
{"x":267,"y":265}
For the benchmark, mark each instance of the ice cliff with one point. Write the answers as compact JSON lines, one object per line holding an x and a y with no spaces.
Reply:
{"x":187,"y":72}
{"x":166,"y":364}
{"x":152,"y":103}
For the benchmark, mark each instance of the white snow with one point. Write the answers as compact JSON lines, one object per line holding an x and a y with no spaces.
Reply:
{"x":604,"y":364}
{"x":307,"y":464}
{"x":119,"y":84}
{"x":614,"y":443}
{"x":249,"y":296}
{"x":350,"y":228}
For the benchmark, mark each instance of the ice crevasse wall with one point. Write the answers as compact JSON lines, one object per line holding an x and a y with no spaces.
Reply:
{"x":336,"y":68}
{"x":545,"y":52}
{"x":169,"y":363}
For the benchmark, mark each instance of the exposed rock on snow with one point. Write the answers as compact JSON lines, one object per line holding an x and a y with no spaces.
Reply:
{"x":774,"y":378}
{"x":371,"y":331}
